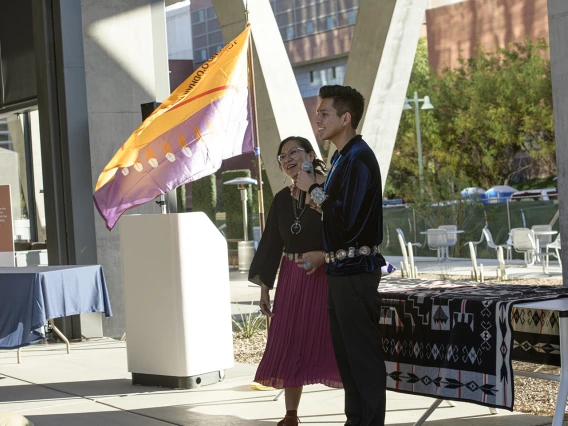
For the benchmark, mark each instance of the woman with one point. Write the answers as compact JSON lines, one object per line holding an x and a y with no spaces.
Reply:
{"x":299,"y":350}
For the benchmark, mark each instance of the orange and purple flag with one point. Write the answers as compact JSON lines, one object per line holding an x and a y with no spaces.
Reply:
{"x":204,"y":121}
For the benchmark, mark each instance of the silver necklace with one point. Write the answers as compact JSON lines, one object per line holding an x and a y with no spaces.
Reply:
{"x":296,"y":226}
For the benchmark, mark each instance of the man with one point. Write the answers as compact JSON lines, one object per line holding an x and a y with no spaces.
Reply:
{"x":351,"y":206}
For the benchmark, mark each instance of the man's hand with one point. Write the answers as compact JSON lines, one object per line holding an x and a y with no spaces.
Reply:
{"x":295,"y":192}
{"x":305,"y":180}
{"x":313,"y":259}
{"x":265,"y":301}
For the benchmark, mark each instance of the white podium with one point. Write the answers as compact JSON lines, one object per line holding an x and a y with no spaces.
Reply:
{"x":177,"y":300}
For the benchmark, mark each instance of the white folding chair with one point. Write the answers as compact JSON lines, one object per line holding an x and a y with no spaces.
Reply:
{"x":399,"y":231}
{"x":438,"y":240}
{"x":542,"y":240}
{"x":491,"y":243}
{"x":524,"y":242}
{"x":501,"y":272}
{"x":476,"y":243}
{"x":406,"y":266}
{"x":477,"y":271}
{"x":452,"y":235}
{"x":555,"y":245}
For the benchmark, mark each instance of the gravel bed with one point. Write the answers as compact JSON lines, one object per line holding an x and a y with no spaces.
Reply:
{"x":249,"y":351}
{"x":532,"y":396}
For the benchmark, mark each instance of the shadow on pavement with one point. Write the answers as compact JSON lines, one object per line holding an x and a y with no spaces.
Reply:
{"x":146,"y":417}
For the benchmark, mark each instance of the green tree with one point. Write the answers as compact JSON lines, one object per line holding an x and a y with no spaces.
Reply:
{"x":487,"y":110}
{"x":403,"y":172}
{"x":492,"y":107}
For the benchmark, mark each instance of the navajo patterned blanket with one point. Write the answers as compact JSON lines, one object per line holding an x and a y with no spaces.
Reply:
{"x":456,"y":340}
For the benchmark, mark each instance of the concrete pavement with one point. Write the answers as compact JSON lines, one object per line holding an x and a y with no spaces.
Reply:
{"x":91,"y":386}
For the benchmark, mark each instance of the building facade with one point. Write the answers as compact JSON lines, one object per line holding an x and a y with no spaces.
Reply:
{"x":456,"y":29}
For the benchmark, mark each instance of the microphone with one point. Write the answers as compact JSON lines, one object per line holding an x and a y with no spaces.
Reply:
{"x":308,"y":168}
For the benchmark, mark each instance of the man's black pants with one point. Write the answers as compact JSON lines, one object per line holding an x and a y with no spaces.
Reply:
{"x":354,"y":309}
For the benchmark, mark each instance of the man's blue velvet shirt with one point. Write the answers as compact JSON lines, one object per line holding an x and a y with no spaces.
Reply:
{"x":353,"y":211}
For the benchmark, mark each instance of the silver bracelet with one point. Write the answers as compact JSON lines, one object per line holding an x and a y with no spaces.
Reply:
{"x":318,"y":196}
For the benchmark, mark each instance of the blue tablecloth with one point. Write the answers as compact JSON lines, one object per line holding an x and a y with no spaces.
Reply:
{"x":30,"y":296}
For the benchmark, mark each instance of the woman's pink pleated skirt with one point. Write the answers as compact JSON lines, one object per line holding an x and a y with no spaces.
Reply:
{"x":299,"y":349}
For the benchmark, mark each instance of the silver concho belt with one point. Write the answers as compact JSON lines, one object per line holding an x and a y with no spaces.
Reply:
{"x":294,"y":257}
{"x":351,"y":252}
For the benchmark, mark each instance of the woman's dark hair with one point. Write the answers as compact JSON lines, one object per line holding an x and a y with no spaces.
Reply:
{"x":319,"y":165}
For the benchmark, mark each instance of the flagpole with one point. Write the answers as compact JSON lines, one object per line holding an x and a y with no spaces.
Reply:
{"x":254,"y":121}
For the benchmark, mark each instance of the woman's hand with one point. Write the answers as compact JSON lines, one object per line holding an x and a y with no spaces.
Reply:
{"x":265,"y":301}
{"x":311,"y":261}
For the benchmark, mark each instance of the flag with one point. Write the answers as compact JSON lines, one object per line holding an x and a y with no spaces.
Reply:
{"x":204,"y":121}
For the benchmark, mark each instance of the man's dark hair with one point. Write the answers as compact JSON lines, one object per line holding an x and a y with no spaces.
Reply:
{"x":345,"y":99}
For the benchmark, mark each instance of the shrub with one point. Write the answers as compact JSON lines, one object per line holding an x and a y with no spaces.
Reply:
{"x":233,"y":205}
{"x":204,"y":196}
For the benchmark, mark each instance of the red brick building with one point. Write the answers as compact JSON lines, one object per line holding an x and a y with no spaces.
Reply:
{"x":459,"y":28}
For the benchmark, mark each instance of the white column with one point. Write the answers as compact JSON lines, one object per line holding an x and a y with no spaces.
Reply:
{"x":125,"y":66}
{"x":379,"y":66}
{"x":558,"y":28}
{"x":281,"y":110}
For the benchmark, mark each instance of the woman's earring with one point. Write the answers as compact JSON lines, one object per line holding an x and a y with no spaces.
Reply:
{"x":285,"y":179}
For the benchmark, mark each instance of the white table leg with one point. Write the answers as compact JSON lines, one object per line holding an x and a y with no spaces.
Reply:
{"x":19,"y":355}
{"x":428,"y":412}
{"x":563,"y":390}
{"x":60,"y":335}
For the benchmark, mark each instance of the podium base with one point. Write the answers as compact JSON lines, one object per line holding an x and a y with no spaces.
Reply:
{"x":174,"y":382}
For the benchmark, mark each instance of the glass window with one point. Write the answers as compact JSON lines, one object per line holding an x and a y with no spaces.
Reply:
{"x":352,"y":17}
{"x":347,"y":4}
{"x":198,"y":16}
{"x":215,"y":38}
{"x":309,"y":27}
{"x":305,"y":13}
{"x":199,"y":29}
{"x":285,"y":19}
{"x":283,"y":5}
{"x":330,"y":23}
{"x":203,"y":54}
{"x":287,"y":33}
{"x":5,"y":141}
{"x":213,"y":25}
{"x":199,"y":42}
{"x":211,"y":13}
{"x":304,"y":28}
{"x":21,"y":168}
{"x":325,"y":8}
{"x":346,"y":18}
{"x":214,"y":49}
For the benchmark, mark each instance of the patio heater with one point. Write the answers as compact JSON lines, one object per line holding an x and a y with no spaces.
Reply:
{"x":245,"y":247}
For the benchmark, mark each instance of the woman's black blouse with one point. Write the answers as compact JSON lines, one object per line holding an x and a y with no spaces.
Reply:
{"x":278,"y":237}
